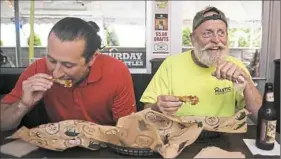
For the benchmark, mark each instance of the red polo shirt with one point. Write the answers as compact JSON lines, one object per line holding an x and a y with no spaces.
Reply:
{"x":104,"y":96}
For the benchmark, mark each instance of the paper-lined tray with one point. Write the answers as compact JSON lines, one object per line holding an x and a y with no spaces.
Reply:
{"x":144,"y":130}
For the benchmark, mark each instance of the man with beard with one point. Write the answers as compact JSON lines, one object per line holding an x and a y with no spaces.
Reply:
{"x":220,"y":82}
{"x":72,"y":55}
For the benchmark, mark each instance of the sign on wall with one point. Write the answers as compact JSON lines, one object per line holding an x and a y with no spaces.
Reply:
{"x":133,"y":58}
{"x":161,"y":29}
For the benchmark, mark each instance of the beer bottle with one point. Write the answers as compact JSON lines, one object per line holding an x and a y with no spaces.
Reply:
{"x":267,"y":118}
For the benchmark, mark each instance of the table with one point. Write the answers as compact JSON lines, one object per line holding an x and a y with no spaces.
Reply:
{"x":229,"y":142}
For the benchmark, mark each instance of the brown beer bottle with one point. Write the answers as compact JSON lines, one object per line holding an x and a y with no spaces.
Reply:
{"x":267,"y":118}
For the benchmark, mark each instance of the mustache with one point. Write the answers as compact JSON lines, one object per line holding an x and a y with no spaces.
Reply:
{"x":209,"y":46}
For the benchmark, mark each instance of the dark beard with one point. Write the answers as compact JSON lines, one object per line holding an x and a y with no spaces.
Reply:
{"x":83,"y":77}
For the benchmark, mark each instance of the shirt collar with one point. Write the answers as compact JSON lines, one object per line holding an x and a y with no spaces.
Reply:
{"x":96,"y":70}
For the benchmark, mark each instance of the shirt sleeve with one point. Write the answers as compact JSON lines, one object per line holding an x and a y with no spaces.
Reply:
{"x":16,"y":93}
{"x":124,"y":102}
{"x":159,"y":85}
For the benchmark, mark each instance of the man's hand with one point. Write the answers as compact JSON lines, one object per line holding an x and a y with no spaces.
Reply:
{"x":168,"y":104}
{"x":242,"y":83}
{"x":230,"y":71}
{"x":34,"y":88}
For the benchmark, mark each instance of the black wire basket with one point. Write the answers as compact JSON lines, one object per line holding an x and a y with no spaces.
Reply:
{"x":206,"y":136}
{"x":138,"y":152}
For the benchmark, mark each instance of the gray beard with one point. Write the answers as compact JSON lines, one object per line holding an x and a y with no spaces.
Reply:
{"x":208,"y":58}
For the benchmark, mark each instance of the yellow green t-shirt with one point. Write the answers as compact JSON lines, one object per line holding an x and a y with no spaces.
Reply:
{"x":178,"y":75}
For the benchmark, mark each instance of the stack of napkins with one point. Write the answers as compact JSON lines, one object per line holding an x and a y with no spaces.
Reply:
{"x":256,"y":151}
{"x":18,"y":148}
{"x":215,"y":152}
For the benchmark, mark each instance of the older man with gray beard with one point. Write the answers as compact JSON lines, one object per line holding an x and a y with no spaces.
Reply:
{"x":212,"y":82}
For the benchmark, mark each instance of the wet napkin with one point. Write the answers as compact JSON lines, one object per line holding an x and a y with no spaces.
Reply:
{"x":167,"y":135}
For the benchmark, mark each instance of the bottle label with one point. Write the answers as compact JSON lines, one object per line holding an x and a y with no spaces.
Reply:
{"x":270,"y":97}
{"x":268,"y":129}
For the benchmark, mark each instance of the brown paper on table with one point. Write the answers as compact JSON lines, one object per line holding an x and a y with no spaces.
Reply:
{"x":215,"y":152}
{"x":167,"y":135}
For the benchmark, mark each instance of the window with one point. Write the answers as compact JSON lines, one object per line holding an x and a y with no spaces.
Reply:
{"x":122,"y":26}
{"x":244,"y":31}
{"x":7,"y":32}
